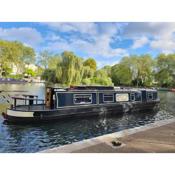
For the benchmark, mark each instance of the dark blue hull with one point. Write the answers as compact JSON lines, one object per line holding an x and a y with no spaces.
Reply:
{"x":80,"y":111}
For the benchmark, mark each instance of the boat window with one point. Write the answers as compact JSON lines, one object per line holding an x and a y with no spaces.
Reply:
{"x":138,"y":97}
{"x":132,"y":96}
{"x":108,"y":97}
{"x":122,"y":97}
{"x":149,"y":96}
{"x":82,"y":98}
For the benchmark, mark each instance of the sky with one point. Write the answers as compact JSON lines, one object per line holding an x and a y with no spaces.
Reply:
{"x":106,"y":42}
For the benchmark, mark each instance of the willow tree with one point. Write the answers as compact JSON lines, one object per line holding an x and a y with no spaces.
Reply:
{"x":88,"y":72}
{"x":100,"y":78}
{"x":72,"y":68}
{"x":53,"y":61}
{"x":91,"y":63}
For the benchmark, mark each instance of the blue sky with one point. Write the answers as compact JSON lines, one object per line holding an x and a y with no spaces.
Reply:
{"x":105,"y":42}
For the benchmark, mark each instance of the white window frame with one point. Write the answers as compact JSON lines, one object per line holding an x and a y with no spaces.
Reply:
{"x":120,"y":94}
{"x":74,"y":96}
{"x":57,"y":100}
{"x":108,"y":95}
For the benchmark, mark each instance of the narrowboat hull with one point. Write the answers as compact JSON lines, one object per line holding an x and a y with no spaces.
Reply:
{"x":18,"y":116}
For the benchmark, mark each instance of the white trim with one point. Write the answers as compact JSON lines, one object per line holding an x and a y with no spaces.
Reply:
{"x":57,"y":101}
{"x":108,"y":94}
{"x":19,"y":113}
{"x":82,"y":94}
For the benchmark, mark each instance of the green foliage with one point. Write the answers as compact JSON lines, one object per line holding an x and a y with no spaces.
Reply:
{"x":69,"y":69}
{"x":30,"y":72}
{"x":88,"y":72}
{"x":165,"y":70}
{"x":100,"y":78}
{"x":39,"y":71}
{"x":121,"y":74}
{"x":14,"y":53}
{"x":44,"y":57}
{"x":6,"y":70}
{"x":107,"y":69}
{"x":133,"y":71}
{"x":17,"y":76}
{"x":49,"y":75}
{"x":53,"y":61}
{"x":91,"y":63}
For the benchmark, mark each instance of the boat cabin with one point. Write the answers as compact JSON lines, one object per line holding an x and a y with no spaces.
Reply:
{"x":95,"y":95}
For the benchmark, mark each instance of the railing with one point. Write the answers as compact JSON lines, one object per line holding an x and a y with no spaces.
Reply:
{"x":29,"y":100}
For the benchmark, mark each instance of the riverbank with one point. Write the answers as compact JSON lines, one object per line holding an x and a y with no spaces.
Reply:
{"x":158,"y":137}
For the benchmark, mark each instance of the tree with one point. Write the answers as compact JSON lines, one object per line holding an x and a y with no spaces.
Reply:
{"x":72,"y":68}
{"x":121,"y":74}
{"x":28,"y":55}
{"x":30,"y":72}
{"x":165,"y":70}
{"x":14,"y":53}
{"x":44,"y":57}
{"x":100,"y":78}
{"x":145,"y":66}
{"x":49,"y":75}
{"x":53,"y":61}
{"x":87,"y":72}
{"x":133,"y":70}
{"x":91,"y":63}
{"x":107,"y":69}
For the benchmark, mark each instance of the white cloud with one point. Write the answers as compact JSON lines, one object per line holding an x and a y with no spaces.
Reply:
{"x":161,"y":35}
{"x":165,"y":45}
{"x":82,"y":27}
{"x":100,"y":47}
{"x":154,"y":29}
{"x":94,"y":41}
{"x":29,"y":36}
{"x":52,"y":37}
{"x":140,"y":42}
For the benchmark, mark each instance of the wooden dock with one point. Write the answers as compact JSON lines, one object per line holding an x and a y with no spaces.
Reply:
{"x":158,"y":137}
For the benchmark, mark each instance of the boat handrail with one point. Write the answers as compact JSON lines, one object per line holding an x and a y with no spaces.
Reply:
{"x":23,"y":98}
{"x":30,"y":100}
{"x":29,"y":95}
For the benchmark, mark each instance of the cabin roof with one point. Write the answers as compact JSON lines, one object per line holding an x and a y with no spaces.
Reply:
{"x":96,"y":88}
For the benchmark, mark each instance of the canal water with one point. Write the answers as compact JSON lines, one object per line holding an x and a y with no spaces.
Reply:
{"x":37,"y":137}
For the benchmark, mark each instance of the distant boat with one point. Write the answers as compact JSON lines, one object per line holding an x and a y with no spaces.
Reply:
{"x":166,"y":89}
{"x":80,"y":101}
{"x":11,"y":81}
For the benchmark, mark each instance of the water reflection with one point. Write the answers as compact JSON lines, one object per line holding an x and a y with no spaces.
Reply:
{"x":37,"y":137}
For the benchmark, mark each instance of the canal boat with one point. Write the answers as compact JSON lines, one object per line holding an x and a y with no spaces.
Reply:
{"x":80,"y":101}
